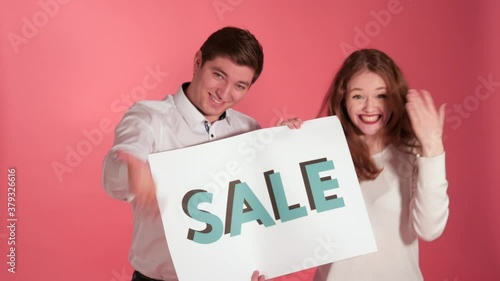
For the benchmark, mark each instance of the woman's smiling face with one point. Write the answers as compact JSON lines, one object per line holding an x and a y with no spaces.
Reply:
{"x":366,"y":103}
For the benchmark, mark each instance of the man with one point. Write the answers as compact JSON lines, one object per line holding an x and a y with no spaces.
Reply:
{"x":224,"y":69}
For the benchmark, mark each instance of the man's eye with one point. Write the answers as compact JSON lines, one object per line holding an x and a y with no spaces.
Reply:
{"x":241,"y":87}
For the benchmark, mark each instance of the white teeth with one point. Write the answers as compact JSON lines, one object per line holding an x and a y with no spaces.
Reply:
{"x":371,"y":118}
{"x":215,"y":100}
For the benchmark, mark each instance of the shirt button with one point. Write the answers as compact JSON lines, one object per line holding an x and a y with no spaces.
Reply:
{"x":212,"y":135}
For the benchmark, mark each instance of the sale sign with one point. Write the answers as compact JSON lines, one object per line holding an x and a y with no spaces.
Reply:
{"x":275,"y":200}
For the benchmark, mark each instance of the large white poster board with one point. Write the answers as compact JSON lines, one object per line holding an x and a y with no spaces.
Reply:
{"x":275,"y":200}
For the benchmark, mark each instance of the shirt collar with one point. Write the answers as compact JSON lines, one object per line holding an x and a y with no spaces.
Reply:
{"x":190,"y":113}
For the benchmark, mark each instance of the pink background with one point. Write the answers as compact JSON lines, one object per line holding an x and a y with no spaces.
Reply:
{"x":70,"y":68}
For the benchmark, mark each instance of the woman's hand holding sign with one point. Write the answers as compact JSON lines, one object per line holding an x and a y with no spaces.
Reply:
{"x":257,"y":277}
{"x":292,"y":123}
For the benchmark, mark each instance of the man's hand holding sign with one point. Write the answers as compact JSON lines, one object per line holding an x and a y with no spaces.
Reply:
{"x":276,"y":199}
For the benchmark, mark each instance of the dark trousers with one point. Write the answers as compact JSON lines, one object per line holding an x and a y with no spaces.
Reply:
{"x":137,"y":276}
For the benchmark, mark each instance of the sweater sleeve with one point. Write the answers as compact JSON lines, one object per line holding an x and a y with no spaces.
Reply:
{"x":429,"y":202}
{"x":133,"y":135}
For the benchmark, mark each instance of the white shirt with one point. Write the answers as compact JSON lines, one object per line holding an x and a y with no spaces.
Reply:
{"x":407,"y":201}
{"x":153,"y":126}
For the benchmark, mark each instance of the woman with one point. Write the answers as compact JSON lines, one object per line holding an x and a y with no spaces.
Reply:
{"x":395,"y":139}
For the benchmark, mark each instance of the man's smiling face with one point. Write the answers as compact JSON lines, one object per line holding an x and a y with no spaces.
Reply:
{"x":218,"y":85}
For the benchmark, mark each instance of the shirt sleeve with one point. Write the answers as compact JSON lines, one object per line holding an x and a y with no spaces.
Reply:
{"x":134,"y":135}
{"x":429,"y":203}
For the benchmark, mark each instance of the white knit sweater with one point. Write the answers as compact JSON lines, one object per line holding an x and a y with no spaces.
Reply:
{"x":407,"y":201}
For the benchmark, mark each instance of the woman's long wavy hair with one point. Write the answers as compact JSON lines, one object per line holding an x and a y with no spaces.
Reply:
{"x":398,"y":129}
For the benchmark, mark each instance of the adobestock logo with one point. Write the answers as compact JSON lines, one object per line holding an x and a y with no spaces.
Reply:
{"x":76,"y":154}
{"x":120,"y":276}
{"x":260,"y":141}
{"x":457,"y":112}
{"x":372,"y":29}
{"x":326,"y":246}
{"x":223,"y":6}
{"x":30,"y":28}
{"x":248,"y":150}
{"x":455,"y":115}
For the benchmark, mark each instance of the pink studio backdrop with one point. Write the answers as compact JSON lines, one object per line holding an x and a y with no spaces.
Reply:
{"x":69,"y":69}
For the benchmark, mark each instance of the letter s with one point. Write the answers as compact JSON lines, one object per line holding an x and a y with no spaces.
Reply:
{"x":214,"y":228}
